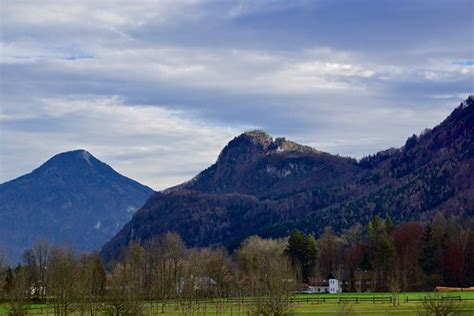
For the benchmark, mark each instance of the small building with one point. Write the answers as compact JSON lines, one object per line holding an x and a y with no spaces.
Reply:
{"x":37,"y":290}
{"x":329,"y":285}
{"x":308,"y":289}
{"x":334,"y":286}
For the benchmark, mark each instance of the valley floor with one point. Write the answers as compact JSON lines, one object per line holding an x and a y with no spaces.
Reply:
{"x":303,"y":304}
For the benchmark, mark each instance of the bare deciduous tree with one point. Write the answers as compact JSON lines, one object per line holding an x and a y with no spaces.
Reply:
{"x":126,"y":286}
{"x":91,"y":284}
{"x":18,"y":292}
{"x":166,"y":256}
{"x":217,"y":269}
{"x":61,"y":280}
{"x":269,"y":273}
{"x":36,"y":260}
{"x":329,"y":250}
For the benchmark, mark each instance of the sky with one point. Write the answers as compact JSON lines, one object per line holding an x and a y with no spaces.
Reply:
{"x":157,"y":88}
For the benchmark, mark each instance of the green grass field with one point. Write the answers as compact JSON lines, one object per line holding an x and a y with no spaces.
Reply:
{"x":326,"y":304}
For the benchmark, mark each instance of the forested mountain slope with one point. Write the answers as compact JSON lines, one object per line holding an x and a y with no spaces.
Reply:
{"x":263,"y":186}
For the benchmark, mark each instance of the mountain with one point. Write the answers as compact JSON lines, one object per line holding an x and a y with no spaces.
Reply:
{"x":72,"y":198}
{"x":265,"y":186}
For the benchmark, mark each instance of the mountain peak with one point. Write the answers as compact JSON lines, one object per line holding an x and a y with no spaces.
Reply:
{"x":73,"y":158}
{"x":71,"y":198}
{"x":468,"y":102}
{"x":83,"y":154}
{"x":258,"y":137}
{"x":86,"y":155}
{"x":263,"y":142}
{"x":77,"y":153}
{"x":250,"y":141}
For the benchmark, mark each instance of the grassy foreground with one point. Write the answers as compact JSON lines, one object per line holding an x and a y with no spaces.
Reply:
{"x":329,"y":304}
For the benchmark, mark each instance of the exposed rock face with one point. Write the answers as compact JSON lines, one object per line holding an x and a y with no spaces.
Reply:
{"x":73,"y":198}
{"x":268,"y":187}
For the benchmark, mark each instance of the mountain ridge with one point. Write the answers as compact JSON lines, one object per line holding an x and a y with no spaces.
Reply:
{"x":255,"y":189}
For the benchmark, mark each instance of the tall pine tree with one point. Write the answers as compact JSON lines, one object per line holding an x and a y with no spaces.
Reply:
{"x":303,"y":253}
{"x":428,"y":259}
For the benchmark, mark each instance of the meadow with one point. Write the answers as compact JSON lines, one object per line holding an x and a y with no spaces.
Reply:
{"x":301,"y":304}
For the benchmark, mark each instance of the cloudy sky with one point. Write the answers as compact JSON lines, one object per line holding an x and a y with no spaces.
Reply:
{"x":157,"y":88}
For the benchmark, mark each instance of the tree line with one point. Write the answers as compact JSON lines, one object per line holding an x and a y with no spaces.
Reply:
{"x":262,"y":273}
{"x":411,"y":256}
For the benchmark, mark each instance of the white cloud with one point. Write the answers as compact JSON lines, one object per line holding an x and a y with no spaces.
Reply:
{"x":154,"y":145}
{"x":245,"y":71}
{"x":88,"y":13}
{"x":246,"y":7}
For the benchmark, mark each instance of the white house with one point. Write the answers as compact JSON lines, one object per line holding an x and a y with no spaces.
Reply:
{"x":329,"y":285}
{"x":333,"y":282}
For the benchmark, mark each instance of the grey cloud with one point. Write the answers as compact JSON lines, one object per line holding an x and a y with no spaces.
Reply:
{"x":333,"y":74}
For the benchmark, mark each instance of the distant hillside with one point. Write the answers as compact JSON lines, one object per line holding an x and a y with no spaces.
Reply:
{"x":268,"y":187}
{"x":72,"y":198}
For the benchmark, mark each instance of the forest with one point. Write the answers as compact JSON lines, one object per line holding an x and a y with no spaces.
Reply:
{"x":381,"y":257}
